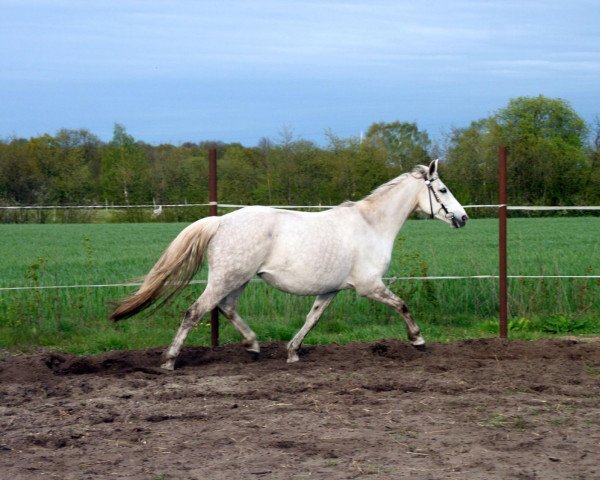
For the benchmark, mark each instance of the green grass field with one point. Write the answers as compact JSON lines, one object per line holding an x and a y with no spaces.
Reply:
{"x":75,"y":319}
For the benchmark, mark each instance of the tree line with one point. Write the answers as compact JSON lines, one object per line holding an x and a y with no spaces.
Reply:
{"x":554,"y":160}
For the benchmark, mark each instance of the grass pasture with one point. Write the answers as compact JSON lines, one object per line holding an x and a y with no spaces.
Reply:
{"x":98,"y":254}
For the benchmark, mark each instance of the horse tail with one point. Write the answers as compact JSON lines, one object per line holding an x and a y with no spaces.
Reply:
{"x":173,"y":271}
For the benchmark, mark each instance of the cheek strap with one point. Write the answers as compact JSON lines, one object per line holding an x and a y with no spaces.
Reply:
{"x":431,"y":191}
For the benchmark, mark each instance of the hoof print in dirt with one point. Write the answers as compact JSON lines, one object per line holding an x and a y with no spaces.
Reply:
{"x":379,"y":349}
{"x":359,"y":410}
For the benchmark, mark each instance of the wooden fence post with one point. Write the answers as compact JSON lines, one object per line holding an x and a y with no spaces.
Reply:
{"x":502,"y":270}
{"x":213,"y":210}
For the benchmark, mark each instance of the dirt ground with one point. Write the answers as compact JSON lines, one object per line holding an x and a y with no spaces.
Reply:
{"x":483,"y":409}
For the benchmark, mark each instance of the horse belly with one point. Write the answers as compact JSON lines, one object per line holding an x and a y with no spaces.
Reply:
{"x":302,"y":284}
{"x":308,"y":270}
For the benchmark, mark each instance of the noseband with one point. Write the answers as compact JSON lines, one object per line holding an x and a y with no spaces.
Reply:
{"x":432,"y":191}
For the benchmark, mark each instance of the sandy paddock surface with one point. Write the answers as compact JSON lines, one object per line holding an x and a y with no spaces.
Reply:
{"x":482,"y":409}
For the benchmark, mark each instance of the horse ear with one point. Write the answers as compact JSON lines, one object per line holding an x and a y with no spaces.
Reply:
{"x":433,"y":168}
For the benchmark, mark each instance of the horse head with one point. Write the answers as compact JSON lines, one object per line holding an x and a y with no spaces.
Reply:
{"x":436,"y":200}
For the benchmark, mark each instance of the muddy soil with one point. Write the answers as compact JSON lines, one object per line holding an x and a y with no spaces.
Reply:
{"x":484,"y":409}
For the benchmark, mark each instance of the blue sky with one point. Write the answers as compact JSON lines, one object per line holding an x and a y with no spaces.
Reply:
{"x":176,"y":71}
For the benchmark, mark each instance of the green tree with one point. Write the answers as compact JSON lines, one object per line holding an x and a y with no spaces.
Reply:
{"x":125,"y":169}
{"x":471,"y":165}
{"x":547,"y":160}
{"x":263,"y":193}
{"x":237,"y":175}
{"x":545,"y":138}
{"x":285,"y":164}
{"x":592,"y":188}
{"x":177,"y":174}
{"x":21,"y":180}
{"x":284,"y":167}
{"x":405,"y":144}
{"x":358,"y":167}
{"x":76,"y":157}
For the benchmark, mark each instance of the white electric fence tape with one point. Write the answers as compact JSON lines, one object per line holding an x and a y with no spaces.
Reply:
{"x":390,"y":279}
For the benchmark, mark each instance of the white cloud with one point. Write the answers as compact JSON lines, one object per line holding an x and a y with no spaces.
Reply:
{"x":186,"y":37}
{"x":341,"y":58}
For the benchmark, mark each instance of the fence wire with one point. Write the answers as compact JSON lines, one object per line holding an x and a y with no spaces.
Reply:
{"x":390,"y":280}
{"x":291,"y":207}
{"x":287,"y":207}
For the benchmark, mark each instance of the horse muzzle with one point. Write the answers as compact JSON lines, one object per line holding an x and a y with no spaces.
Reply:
{"x":459,"y":222}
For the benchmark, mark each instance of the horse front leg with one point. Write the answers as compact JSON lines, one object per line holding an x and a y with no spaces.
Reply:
{"x":321,"y":303}
{"x":384,"y":295}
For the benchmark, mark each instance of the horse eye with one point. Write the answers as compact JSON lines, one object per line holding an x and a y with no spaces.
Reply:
{"x":443,"y":190}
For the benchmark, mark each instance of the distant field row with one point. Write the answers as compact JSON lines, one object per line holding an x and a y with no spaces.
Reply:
{"x":71,"y":254}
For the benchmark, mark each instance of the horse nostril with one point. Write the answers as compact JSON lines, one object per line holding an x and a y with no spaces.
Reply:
{"x":464,"y":218}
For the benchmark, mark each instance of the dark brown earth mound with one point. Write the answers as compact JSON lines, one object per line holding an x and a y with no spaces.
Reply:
{"x":482,"y":409}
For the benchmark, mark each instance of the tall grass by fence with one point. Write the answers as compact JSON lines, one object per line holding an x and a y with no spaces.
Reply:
{"x":37,"y":256}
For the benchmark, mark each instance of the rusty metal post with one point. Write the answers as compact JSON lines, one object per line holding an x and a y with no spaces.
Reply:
{"x":502,"y":270}
{"x":213,"y":211}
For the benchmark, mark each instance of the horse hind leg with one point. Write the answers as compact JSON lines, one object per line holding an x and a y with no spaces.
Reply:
{"x":228,"y":308}
{"x":207,"y":301}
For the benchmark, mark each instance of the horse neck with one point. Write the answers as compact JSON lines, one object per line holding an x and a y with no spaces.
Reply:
{"x":386,"y":212}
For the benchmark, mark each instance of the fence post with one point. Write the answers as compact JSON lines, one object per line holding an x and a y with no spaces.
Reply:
{"x":213,"y":211}
{"x":502,"y":270}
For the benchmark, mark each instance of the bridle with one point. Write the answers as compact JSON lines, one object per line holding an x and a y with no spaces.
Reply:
{"x":432,"y":191}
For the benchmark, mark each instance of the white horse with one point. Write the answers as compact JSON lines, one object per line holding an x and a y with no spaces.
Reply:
{"x":349,"y":246}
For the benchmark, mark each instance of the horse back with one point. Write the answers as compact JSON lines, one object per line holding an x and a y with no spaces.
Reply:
{"x":298,"y":252}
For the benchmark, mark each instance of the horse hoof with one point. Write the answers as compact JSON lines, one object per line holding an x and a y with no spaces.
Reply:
{"x":168,"y":365}
{"x":293,"y":358}
{"x":422,"y":347}
{"x":254,"y":355}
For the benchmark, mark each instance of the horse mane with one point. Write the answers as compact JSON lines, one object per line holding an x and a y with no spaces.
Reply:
{"x":420,"y":171}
